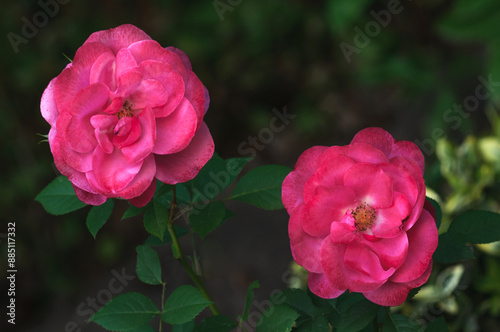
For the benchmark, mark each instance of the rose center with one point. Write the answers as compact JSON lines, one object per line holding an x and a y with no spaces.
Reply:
{"x":126,"y":110}
{"x":364,"y":216}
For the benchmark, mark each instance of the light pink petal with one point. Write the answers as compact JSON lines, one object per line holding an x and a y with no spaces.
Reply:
{"x":111,"y":172}
{"x":305,"y":248}
{"x":195,"y":93}
{"x":332,"y":261}
{"x":119,"y":37}
{"x":172,"y":82}
{"x":102,"y":71}
{"x":410,"y":151}
{"x":362,"y":152}
{"x":185,"y":165}
{"x":76,"y":75}
{"x":423,"y":240}
{"x":320,"y":286}
{"x":89,"y":198}
{"x":389,"y":221}
{"x":182,"y":55}
{"x":103,"y":121}
{"x":81,"y":162}
{"x":393,"y":294}
{"x":391,"y":252}
{"x":151,"y":50}
{"x":328,"y":205}
{"x":365,"y":268}
{"x":143,"y":146}
{"x":377,"y":137}
{"x":330,"y":174}
{"x":48,"y":105}
{"x":141,"y":184}
{"x":371,"y":184}
{"x":124,"y":62}
{"x":174,"y":132}
{"x":293,"y":185}
{"x":127,"y":131}
{"x":149,"y":93}
{"x":143,"y":200}
{"x":402,"y":181}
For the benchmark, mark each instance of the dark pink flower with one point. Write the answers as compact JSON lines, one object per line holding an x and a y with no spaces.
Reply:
{"x":124,"y":112}
{"x":359,"y":220}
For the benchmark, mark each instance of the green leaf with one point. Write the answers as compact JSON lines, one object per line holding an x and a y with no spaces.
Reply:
{"x":452,"y":248}
{"x":437,"y":325}
{"x":208,"y":219}
{"x":132,"y":211}
{"x":315,"y":324}
{"x":299,"y":300}
{"x":343,"y":14}
{"x":399,"y":323}
{"x":261,"y":187}
{"x":249,"y":299}
{"x":59,"y":197}
{"x":126,"y":312}
{"x":156,"y":242}
{"x":217,"y":323}
{"x":186,"y":327}
{"x":477,"y":226}
{"x":277,"y":318}
{"x":148,"y":265}
{"x":357,"y":316}
{"x":437,"y":208}
{"x":156,"y":218}
{"x":98,"y":216}
{"x":183,"y":305}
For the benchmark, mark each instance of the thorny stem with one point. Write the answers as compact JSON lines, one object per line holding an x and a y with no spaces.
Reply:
{"x":180,"y":257}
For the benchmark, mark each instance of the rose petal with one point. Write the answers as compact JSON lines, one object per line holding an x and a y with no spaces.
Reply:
{"x":119,"y":37}
{"x":377,"y":137}
{"x":195,"y":93}
{"x":174,"y":132}
{"x":185,"y":165}
{"x":143,"y":146}
{"x":410,"y":151}
{"x":319,"y":285}
{"x":423,"y":240}
{"x":124,"y":62}
{"x":389,"y":221}
{"x":371,"y":185}
{"x":127,"y":131}
{"x":102,"y":71}
{"x":391,"y":252}
{"x":182,"y":56}
{"x":48,"y":106}
{"x":89,"y":198}
{"x":149,"y":93}
{"x":305,"y":248}
{"x":328,"y":205}
{"x":140,"y":187}
{"x":292,"y":189}
{"x":362,"y":152}
{"x":365,"y":268}
{"x":143,"y":200}
{"x":332,"y":261}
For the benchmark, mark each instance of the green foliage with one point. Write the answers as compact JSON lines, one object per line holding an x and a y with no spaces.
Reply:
{"x":186,"y":327}
{"x":98,"y":216}
{"x":437,"y":325}
{"x":126,"y":312}
{"x":249,"y":299}
{"x":277,"y":318}
{"x":209,"y":218}
{"x":148,"y":266}
{"x":59,"y":197}
{"x":156,"y":242}
{"x":156,"y":218}
{"x":399,"y":323}
{"x":357,"y":316}
{"x":217,"y":323}
{"x":261,"y":187}
{"x":437,"y":209}
{"x":184,"y":304}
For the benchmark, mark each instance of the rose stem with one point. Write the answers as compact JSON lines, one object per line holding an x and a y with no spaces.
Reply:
{"x":180,"y":257}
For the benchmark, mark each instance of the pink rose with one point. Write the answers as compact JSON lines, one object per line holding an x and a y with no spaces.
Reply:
{"x":124,"y":112}
{"x":359,"y":219}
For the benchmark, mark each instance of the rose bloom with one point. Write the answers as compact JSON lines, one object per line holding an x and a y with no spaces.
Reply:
{"x":359,"y":219}
{"x":124,"y":112}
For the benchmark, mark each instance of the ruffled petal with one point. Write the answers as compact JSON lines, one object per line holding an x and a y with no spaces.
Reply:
{"x":409,"y":150}
{"x":119,"y":37}
{"x":124,"y":62}
{"x":371,"y":184}
{"x":89,"y":198}
{"x":140,"y":186}
{"x":195,"y":93}
{"x":127,"y":131}
{"x":362,"y":152}
{"x":185,"y":165}
{"x":48,"y":105}
{"x":319,"y":285}
{"x":423,"y":241}
{"x":143,"y":146}
{"x":149,"y":93}
{"x":389,"y":221}
{"x":376,"y":137}
{"x":328,"y":205}
{"x":174,"y":132}
{"x":332,"y":261}
{"x":305,"y":248}
{"x":143,"y":200}
{"x":293,"y":185}
{"x":102,"y":71}
{"x":391,"y":252}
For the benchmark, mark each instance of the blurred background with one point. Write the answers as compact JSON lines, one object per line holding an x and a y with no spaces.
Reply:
{"x":427,"y":71}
